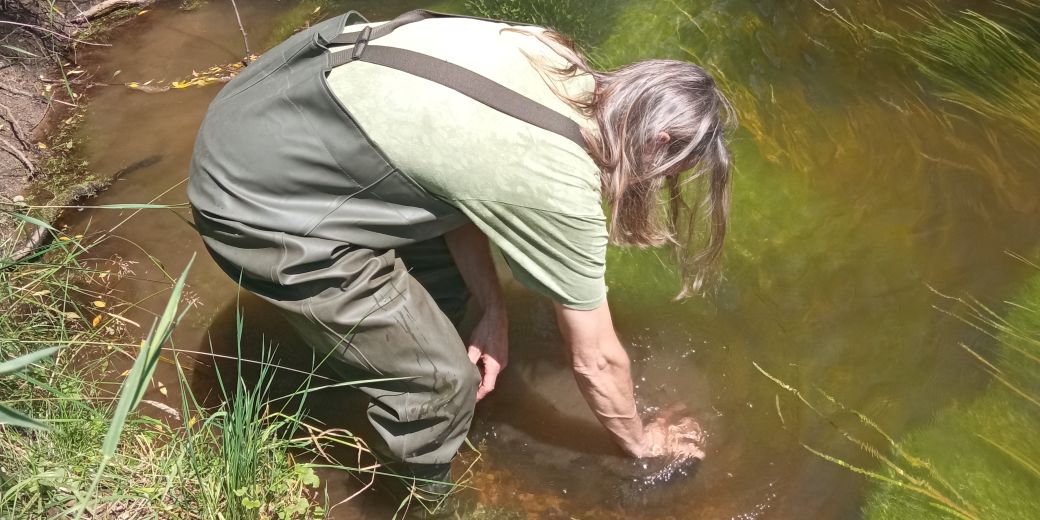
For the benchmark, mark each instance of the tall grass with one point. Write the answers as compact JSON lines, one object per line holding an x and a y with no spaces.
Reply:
{"x":254,"y":456}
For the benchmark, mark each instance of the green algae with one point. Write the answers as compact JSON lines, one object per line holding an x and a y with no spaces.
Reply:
{"x":988,"y":449}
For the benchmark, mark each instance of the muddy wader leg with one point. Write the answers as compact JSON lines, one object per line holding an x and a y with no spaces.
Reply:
{"x":369,"y":318}
{"x":386,"y":325}
{"x":431,"y":264}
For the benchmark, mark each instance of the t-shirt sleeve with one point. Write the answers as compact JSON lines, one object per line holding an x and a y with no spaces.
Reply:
{"x":558,"y":255}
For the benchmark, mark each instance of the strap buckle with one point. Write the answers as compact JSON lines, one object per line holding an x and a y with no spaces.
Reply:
{"x":361,"y":43}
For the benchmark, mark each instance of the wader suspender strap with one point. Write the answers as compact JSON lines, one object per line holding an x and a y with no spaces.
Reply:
{"x":453,"y":76}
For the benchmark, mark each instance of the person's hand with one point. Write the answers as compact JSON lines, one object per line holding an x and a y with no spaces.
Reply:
{"x":489,"y":348}
{"x":668,"y":435}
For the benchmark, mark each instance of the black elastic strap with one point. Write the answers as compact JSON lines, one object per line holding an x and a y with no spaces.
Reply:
{"x":456,"y":77}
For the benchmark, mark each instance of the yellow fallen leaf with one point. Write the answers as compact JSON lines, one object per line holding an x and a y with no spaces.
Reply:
{"x":64,"y":239}
{"x":133,"y":84}
{"x":99,"y":304}
{"x":96,"y":320}
{"x":41,"y":293}
{"x":77,"y":237}
{"x":162,"y":389}
{"x":41,"y":146}
{"x":192,"y":421}
{"x":142,"y":12}
{"x":125,"y":373}
{"x":316,"y":9}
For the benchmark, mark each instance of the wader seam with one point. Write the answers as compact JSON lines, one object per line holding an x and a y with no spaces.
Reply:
{"x":368,"y":139}
{"x":347,"y":198}
{"x":319,"y":219}
{"x":285,"y":62}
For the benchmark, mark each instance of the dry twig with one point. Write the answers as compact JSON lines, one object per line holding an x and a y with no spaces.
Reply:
{"x":245,"y":39}
{"x":16,"y":91}
{"x":55,"y":33}
{"x":18,"y":155}
{"x":13,"y":123}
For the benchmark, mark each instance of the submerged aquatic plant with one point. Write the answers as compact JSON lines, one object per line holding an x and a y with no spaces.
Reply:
{"x":986,"y":63}
{"x":566,"y":16}
{"x":979,"y":460}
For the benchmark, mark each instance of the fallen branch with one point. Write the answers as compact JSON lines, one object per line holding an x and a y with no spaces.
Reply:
{"x":17,"y":91}
{"x":36,"y":240}
{"x":106,"y":7}
{"x":18,"y":155}
{"x":13,"y":123}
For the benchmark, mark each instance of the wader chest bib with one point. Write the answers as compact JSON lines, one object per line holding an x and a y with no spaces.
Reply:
{"x":293,"y":200}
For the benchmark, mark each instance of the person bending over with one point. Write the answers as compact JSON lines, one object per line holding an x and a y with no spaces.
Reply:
{"x":355,"y":175}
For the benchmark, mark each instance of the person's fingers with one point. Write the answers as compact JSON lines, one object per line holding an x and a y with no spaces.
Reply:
{"x":490,"y":376}
{"x":474,"y":354}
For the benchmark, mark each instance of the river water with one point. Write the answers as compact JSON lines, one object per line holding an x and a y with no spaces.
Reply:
{"x":859,"y":201}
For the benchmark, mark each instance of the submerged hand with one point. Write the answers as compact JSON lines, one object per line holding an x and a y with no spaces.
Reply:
{"x":489,"y":349}
{"x":667,"y":436}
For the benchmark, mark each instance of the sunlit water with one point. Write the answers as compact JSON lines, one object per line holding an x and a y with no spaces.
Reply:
{"x":858,"y":201}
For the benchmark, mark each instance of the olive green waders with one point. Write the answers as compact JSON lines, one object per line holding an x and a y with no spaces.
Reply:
{"x":293,"y":200}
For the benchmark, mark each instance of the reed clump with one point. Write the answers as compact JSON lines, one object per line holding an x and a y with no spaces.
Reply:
{"x":99,"y":448}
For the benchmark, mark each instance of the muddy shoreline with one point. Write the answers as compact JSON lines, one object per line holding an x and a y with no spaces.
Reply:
{"x":43,"y":92}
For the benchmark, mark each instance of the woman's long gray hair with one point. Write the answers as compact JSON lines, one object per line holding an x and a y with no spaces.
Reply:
{"x":661,"y":125}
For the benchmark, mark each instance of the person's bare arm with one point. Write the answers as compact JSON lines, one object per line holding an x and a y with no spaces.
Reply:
{"x":602,"y":369}
{"x":488,"y":345}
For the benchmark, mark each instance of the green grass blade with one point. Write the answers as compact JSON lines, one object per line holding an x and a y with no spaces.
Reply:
{"x":20,"y":50}
{"x":137,"y":381}
{"x":31,"y":220}
{"x":12,"y":417}
{"x":19,"y":363}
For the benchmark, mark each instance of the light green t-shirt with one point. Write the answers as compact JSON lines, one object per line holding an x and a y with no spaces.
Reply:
{"x":534,"y":193}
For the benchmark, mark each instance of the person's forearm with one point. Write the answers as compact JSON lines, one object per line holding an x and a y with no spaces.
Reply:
{"x":488,"y":346}
{"x":602,"y":370}
{"x":606,"y":384}
{"x":472,"y":255}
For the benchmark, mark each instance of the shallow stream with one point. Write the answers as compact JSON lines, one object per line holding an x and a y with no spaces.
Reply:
{"x":859,"y":202}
